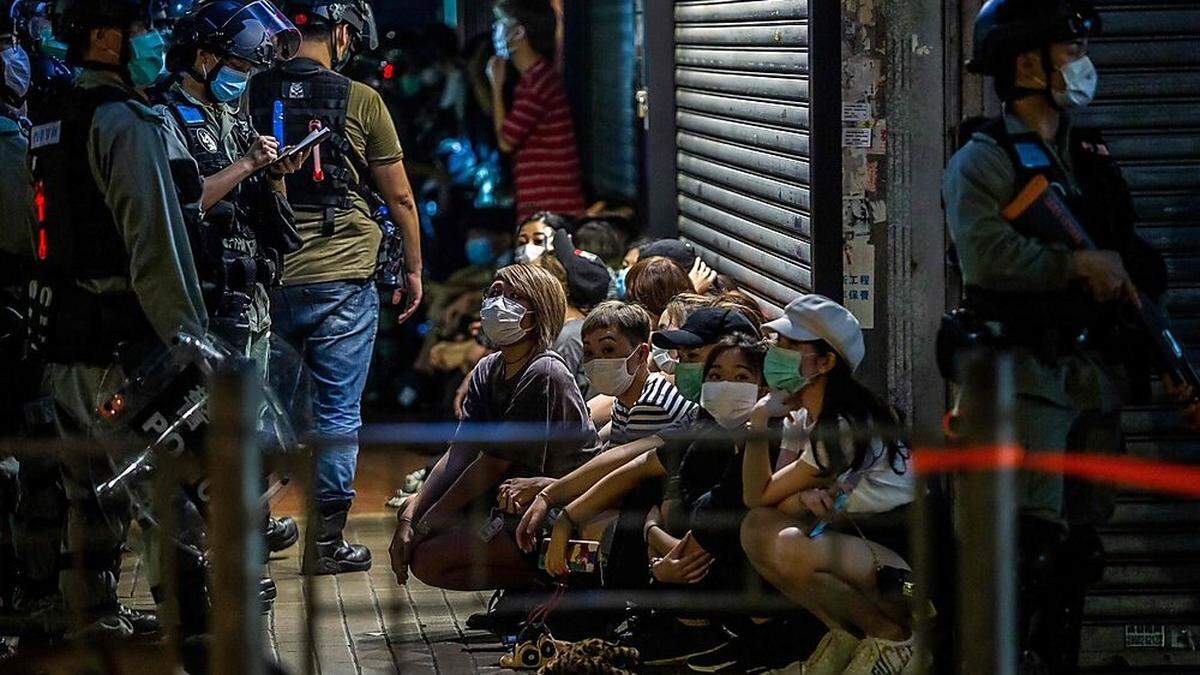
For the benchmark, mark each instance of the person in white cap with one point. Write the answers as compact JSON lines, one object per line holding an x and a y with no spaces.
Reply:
{"x":828,"y":529}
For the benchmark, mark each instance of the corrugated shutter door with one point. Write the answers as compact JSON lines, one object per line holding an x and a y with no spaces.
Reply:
{"x":742,"y":117}
{"x":1149,"y":108}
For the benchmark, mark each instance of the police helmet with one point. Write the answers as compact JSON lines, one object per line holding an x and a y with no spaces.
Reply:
{"x":355,"y":13}
{"x":253,"y":31}
{"x":1005,"y":28}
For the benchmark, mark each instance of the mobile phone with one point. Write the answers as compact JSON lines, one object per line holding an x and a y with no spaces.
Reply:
{"x":582,"y":555}
{"x":839,"y":505}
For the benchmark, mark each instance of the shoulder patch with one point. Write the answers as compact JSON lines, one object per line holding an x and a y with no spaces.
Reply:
{"x":45,"y":134}
{"x":191,"y":115}
{"x":1032,"y":155}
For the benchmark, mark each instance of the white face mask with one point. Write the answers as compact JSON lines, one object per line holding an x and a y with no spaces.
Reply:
{"x":1081,"y":80}
{"x":730,"y":403}
{"x":501,"y":319}
{"x":663,"y":359}
{"x":529,"y":252}
{"x":610,"y":377}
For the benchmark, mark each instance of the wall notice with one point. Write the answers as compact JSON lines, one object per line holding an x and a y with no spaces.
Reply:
{"x":858,"y":284}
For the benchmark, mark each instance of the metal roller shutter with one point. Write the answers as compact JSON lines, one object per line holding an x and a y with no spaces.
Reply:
{"x":1149,"y":107}
{"x":743,"y":128}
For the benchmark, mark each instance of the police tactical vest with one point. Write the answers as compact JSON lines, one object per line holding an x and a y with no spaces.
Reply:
{"x":225,"y":247}
{"x":1098,"y":196}
{"x":311,"y":96}
{"x":77,"y":239}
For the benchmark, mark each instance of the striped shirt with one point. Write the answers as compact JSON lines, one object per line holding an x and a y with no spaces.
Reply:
{"x":545,"y":158}
{"x":660,"y":407}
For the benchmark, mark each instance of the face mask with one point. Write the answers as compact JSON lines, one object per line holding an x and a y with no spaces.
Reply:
{"x":147,"y":58}
{"x":51,"y":46}
{"x":529,"y":252}
{"x":782,"y":370}
{"x":730,"y":403}
{"x":228,"y":84}
{"x":501,"y":319}
{"x":479,"y":251}
{"x":621,"y":274}
{"x":1081,"y":80}
{"x":610,"y":377}
{"x":689,"y":378}
{"x":16,"y":72}
{"x":663,"y":359}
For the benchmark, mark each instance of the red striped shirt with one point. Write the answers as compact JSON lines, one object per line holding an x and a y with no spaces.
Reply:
{"x":545,"y":158}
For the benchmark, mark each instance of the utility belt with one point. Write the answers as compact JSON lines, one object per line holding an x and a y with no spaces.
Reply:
{"x":1006,"y":321}
{"x":70,"y":325}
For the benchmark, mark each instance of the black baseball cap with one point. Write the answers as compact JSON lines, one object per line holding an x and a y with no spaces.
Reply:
{"x":680,"y":252}
{"x":704,"y":326}
{"x":587,"y":276}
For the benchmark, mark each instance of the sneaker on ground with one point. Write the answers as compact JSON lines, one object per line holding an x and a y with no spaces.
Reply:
{"x":831,"y":656}
{"x":664,"y":640}
{"x":876,"y":656}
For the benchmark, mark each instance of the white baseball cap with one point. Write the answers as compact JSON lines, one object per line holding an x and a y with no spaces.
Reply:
{"x":809,"y":318}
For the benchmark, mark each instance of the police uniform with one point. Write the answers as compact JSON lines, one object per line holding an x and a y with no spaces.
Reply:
{"x":30,"y":489}
{"x":240,"y":243}
{"x":114,"y":270}
{"x":1075,"y":364}
{"x":1023,"y":283}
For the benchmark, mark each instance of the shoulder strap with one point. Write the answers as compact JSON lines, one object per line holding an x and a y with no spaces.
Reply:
{"x":1025,"y":150}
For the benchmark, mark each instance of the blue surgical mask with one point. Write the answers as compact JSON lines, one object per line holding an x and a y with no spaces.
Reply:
{"x":16,"y":72}
{"x":228,"y":84}
{"x":621,"y":274}
{"x":147,"y":58}
{"x":52,"y":46}
{"x":479,"y":251}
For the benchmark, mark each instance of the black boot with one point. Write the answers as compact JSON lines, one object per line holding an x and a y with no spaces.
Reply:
{"x":330,"y":554}
{"x":280,"y":534}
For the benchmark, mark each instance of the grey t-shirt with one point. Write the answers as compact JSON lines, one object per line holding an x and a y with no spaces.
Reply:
{"x":543,"y":392}
{"x":569,"y":345}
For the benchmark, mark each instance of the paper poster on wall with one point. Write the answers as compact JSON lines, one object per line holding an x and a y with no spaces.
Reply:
{"x":856,"y":137}
{"x":859,"y":281}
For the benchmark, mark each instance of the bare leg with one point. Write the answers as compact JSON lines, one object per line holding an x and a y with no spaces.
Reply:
{"x":457,"y":559}
{"x":832,"y":576}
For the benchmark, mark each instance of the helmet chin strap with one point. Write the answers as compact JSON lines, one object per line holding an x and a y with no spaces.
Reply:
{"x":1046,"y":92}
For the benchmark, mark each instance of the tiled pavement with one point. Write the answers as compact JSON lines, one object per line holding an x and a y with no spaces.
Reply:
{"x":365,"y":623}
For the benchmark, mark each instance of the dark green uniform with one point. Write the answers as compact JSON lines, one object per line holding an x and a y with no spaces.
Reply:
{"x":136,"y":161}
{"x":1073,"y":366}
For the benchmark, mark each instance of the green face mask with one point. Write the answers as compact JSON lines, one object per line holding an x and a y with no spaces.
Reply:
{"x":782,"y":370}
{"x":689,"y":379}
{"x":147,"y":58}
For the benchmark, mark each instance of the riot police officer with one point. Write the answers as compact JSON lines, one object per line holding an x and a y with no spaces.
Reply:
{"x":248,"y":226}
{"x":328,"y":307}
{"x":1054,"y":308}
{"x":114,"y":274}
{"x":16,"y":254}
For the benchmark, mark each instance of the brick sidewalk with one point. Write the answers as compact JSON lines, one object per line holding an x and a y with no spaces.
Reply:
{"x":365,"y":623}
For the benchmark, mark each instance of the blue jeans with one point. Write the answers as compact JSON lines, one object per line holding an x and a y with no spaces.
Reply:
{"x":332,"y":325}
